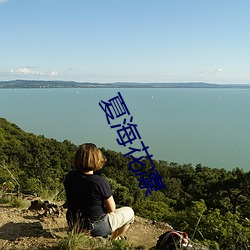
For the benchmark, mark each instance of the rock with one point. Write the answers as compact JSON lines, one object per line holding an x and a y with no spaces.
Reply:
{"x":47,"y":207}
{"x":36,"y":205}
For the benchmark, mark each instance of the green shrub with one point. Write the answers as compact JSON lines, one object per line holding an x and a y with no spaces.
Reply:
{"x":18,"y":202}
{"x":5,"y":200}
{"x":121,"y":193}
{"x":152,"y":210}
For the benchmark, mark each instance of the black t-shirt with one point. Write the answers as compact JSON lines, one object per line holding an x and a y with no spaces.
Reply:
{"x":86,"y":193}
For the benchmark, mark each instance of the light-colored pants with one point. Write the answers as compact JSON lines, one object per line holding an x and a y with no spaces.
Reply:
{"x":120,"y":217}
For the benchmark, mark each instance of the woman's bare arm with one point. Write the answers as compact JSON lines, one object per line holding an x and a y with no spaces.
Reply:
{"x":110,"y":204}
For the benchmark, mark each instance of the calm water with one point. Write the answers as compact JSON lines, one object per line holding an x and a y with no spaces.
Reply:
{"x":207,"y":126}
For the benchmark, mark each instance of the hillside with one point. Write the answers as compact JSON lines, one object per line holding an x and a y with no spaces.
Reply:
{"x":211,"y":204}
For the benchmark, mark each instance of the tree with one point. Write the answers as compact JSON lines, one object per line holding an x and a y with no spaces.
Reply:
{"x":236,"y":187}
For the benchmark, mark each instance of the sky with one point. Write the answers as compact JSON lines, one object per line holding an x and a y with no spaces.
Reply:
{"x":125,"y":40}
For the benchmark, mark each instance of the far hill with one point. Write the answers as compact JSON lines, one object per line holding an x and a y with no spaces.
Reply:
{"x":71,"y":84}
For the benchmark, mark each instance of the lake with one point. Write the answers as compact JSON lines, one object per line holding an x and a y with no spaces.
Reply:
{"x":207,"y":126}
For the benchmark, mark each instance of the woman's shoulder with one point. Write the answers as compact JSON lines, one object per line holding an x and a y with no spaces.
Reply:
{"x":99,"y":177}
{"x":72,"y":174}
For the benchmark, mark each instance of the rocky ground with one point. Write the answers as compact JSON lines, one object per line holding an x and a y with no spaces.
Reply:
{"x":43,"y":228}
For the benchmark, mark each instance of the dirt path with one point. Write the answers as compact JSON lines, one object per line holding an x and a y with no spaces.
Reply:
{"x":24,"y":229}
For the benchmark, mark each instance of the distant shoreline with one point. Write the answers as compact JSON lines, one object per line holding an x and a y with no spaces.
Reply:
{"x":21,"y":84}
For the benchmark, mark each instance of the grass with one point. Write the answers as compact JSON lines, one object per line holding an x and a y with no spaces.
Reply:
{"x":19,"y":202}
{"x":83,"y":241}
{"x":5,"y":200}
{"x":14,"y":201}
{"x":75,"y":241}
{"x":52,"y":195}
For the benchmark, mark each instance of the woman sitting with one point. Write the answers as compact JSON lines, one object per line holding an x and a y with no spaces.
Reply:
{"x":91,"y":205}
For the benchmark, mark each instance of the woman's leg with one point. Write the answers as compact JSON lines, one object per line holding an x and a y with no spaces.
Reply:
{"x":119,"y":231}
{"x":120,"y":220}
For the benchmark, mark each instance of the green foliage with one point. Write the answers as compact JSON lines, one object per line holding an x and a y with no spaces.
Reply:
{"x":121,"y":193}
{"x":18,"y":202}
{"x":75,"y":241}
{"x":211,"y":227}
{"x":8,"y":186}
{"x":212,"y":205}
{"x":119,"y":245}
{"x":5,"y":199}
{"x":37,"y":162}
{"x":227,"y":230}
{"x":83,"y":241}
{"x":153,"y":210}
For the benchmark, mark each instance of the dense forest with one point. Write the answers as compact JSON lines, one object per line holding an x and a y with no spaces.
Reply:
{"x":212,"y":205}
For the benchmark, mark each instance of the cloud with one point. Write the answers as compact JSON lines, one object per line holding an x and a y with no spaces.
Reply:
{"x":53,"y":73}
{"x":218,"y":70}
{"x":211,"y":72}
{"x":22,"y":71}
{"x":31,"y":71}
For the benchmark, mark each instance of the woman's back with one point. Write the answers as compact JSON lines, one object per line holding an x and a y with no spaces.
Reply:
{"x":91,"y":205}
{"x":86,"y":193}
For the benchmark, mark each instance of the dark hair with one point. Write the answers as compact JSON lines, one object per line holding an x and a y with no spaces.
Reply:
{"x":88,"y":157}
